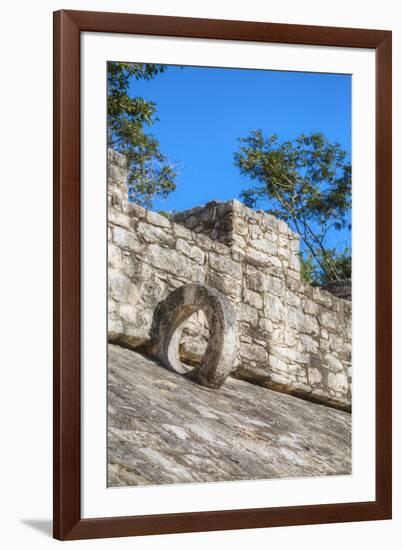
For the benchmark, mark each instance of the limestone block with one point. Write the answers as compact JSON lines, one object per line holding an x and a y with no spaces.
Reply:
{"x":332,"y":362}
{"x":153,"y":287}
{"x":294,"y":262}
{"x":274,"y":308}
{"x":338,"y":382}
{"x":294,"y":244}
{"x":112,"y":309}
{"x":293,"y":299}
{"x":292,"y":273}
{"x":152,"y":233}
{"x":247,"y":314}
{"x":240,"y":226}
{"x":229,"y":286}
{"x":114,"y":256}
{"x":256,"y":280}
{"x":137,"y":211}
{"x":222,"y":249}
{"x":324,"y":345}
{"x":181,"y":231}
{"x":204,"y":242}
{"x":128,"y":264}
{"x":192,"y":252}
{"x":283,"y":227}
{"x":121,"y":288}
{"x":290,"y":355}
{"x":275,"y":285}
{"x":256,"y":257}
{"x":301,"y":387}
{"x":225,"y":265}
{"x":323,"y":297}
{"x":253,"y":352}
{"x":314,"y":376}
{"x":277,"y":364}
{"x":283,"y":253}
{"x":237,"y":207}
{"x":266,"y":324}
{"x":324,"y":334}
{"x":282,"y":335}
{"x":158,"y":219}
{"x":126,"y":239}
{"x":336,"y":343}
{"x":174,"y":263}
{"x":307,"y":343}
{"x":270,"y":223}
{"x":253,"y":298}
{"x":264,"y":245}
{"x":119,"y":218}
{"x":275,"y":261}
{"x":237,"y":254}
{"x":296,"y":318}
{"x":114,"y":328}
{"x":329,"y":320}
{"x":311,"y":307}
{"x":311,"y":325}
{"x":255,"y":231}
{"x":294,"y":285}
{"x":118,"y":200}
{"x":192,"y":350}
{"x":238,"y":241}
{"x":137,"y":331}
{"x":280,"y":378}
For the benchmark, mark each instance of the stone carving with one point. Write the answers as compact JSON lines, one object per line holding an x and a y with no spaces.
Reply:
{"x":169,"y":317}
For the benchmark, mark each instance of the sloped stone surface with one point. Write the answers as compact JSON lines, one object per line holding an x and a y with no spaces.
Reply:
{"x":164,"y":428}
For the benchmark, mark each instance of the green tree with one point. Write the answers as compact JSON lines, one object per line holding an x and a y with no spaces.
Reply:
{"x":307,"y":269}
{"x":150,"y":174}
{"x":307,"y":183}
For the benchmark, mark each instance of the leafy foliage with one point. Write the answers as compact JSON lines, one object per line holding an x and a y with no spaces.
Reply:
{"x":307,"y":271}
{"x":150,"y":173}
{"x":342,"y":261}
{"x":316,"y":277}
{"x":307,"y":183}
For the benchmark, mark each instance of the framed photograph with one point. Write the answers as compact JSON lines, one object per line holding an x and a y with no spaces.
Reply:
{"x":222,"y":266}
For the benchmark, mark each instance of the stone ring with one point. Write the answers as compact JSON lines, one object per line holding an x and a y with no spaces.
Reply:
{"x":169,"y":316}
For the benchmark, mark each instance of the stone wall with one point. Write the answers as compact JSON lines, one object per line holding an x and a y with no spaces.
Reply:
{"x":341,"y":288}
{"x":292,"y":337}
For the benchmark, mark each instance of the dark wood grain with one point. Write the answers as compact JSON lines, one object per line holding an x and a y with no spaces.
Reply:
{"x":384,"y":274}
{"x":67,"y":482}
{"x":228,"y":519}
{"x":67,"y":477}
{"x":225,"y":29}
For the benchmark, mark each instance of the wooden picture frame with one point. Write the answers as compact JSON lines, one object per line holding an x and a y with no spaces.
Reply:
{"x":68,"y":26}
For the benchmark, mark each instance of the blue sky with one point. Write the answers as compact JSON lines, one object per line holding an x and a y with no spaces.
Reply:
{"x":203,"y":111}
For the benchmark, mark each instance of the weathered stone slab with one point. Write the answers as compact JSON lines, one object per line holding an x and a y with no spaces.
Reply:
{"x":165,"y":429}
